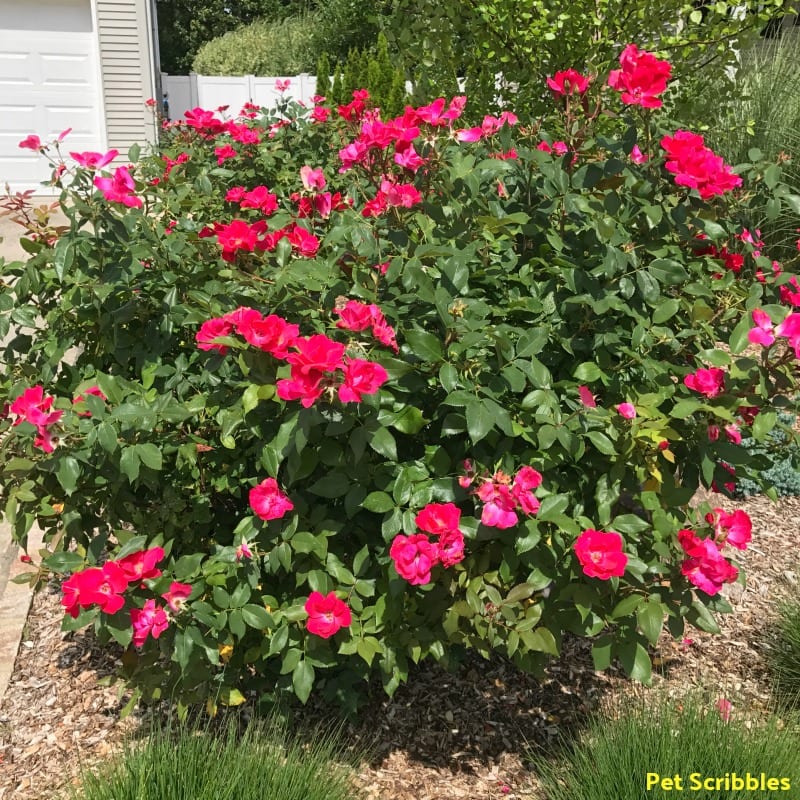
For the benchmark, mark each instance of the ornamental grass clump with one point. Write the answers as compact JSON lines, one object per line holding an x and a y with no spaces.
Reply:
{"x":223,"y":763}
{"x":356,"y":390}
{"x":784,"y":651}
{"x":710,"y":746}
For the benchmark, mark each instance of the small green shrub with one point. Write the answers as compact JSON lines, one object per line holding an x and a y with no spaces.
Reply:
{"x":686,"y":738}
{"x":261,"y":762}
{"x":784,"y":656}
{"x":263,"y":48}
{"x":782,"y":454}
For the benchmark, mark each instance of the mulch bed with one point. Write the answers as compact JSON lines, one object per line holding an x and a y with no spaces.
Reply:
{"x":442,"y":736}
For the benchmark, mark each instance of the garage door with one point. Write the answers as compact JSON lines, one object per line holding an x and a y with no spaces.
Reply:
{"x":49,"y":81}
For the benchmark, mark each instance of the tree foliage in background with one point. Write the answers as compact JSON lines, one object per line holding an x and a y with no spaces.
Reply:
{"x":480,"y":39}
{"x":382,"y":76}
{"x":185,"y":25}
{"x":283,"y":47}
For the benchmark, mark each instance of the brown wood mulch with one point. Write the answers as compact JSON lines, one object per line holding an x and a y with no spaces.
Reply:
{"x":443,"y":736}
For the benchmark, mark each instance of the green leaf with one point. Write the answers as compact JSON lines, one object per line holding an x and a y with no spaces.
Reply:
{"x":68,"y":472}
{"x":629,"y":523}
{"x":379,"y":502}
{"x":182,"y":649}
{"x":520,"y":592}
{"x":337,"y":484}
{"x":702,"y":618}
{"x":601,"y":652}
{"x":650,"y":617}
{"x":627,"y":606}
{"x":368,"y":648}
{"x":602,"y":443}
{"x":448,"y":377}
{"x":738,"y":340}
{"x":552,"y":506}
{"x":424,"y":345}
{"x":383,"y":442}
{"x":129,"y":463}
{"x":107,"y":437}
{"x":119,"y":626}
{"x":409,"y":420}
{"x":635,"y":661}
{"x":229,"y":696}
{"x":18,"y":465}
{"x":763,"y":424}
{"x":532,"y":342}
{"x":221,"y":598}
{"x":540,"y":640}
{"x":149,"y":455}
{"x":665,"y":310}
{"x":64,"y":562}
{"x":303,"y":680}
{"x":63,"y":257}
{"x":236,"y":623}
{"x":588,"y":371}
{"x":479,"y":420}
{"x":665,"y":270}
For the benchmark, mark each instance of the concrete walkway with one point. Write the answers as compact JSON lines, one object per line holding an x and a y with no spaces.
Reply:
{"x":15,"y":599}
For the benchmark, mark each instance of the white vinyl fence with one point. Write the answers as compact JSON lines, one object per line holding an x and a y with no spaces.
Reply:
{"x":184,"y":92}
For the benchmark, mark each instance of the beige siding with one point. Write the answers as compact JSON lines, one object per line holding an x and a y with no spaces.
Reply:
{"x":128,"y":74}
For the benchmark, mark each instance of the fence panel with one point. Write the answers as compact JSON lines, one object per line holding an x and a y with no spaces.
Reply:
{"x":185,"y":92}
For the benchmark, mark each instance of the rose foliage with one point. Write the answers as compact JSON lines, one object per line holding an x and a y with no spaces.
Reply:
{"x":311,"y":395}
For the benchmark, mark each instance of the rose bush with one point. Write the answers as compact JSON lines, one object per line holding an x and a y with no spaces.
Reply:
{"x":347,"y":392}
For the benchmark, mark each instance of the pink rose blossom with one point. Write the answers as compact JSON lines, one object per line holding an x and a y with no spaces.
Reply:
{"x":119,"y":188}
{"x":641,"y":79}
{"x":32,"y":142}
{"x":151,"y":620}
{"x":438,"y":518}
{"x":708,"y":382}
{"x":705,"y":566}
{"x":414,"y":557}
{"x":94,"y":161}
{"x":586,"y":397}
{"x":451,"y":548}
{"x":243,"y":551}
{"x":99,"y":586}
{"x":272,"y":334}
{"x":312,"y":178}
{"x":568,"y":82}
{"x":626,"y":410}
{"x":734,"y":528}
{"x":361,"y":377}
{"x":601,"y":554}
{"x":764,"y":332}
{"x":268,"y":501}
{"x":498,"y":511}
{"x":327,"y":614}
{"x":210,"y":331}
{"x":141,"y":565}
{"x":177,"y":595}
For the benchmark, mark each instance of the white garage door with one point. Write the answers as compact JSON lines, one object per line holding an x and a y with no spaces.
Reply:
{"x":49,"y":81}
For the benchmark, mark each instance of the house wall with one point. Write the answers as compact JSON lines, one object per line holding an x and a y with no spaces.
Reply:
{"x":127,"y":60}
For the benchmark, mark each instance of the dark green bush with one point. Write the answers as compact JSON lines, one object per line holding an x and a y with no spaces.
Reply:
{"x":262,"y":48}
